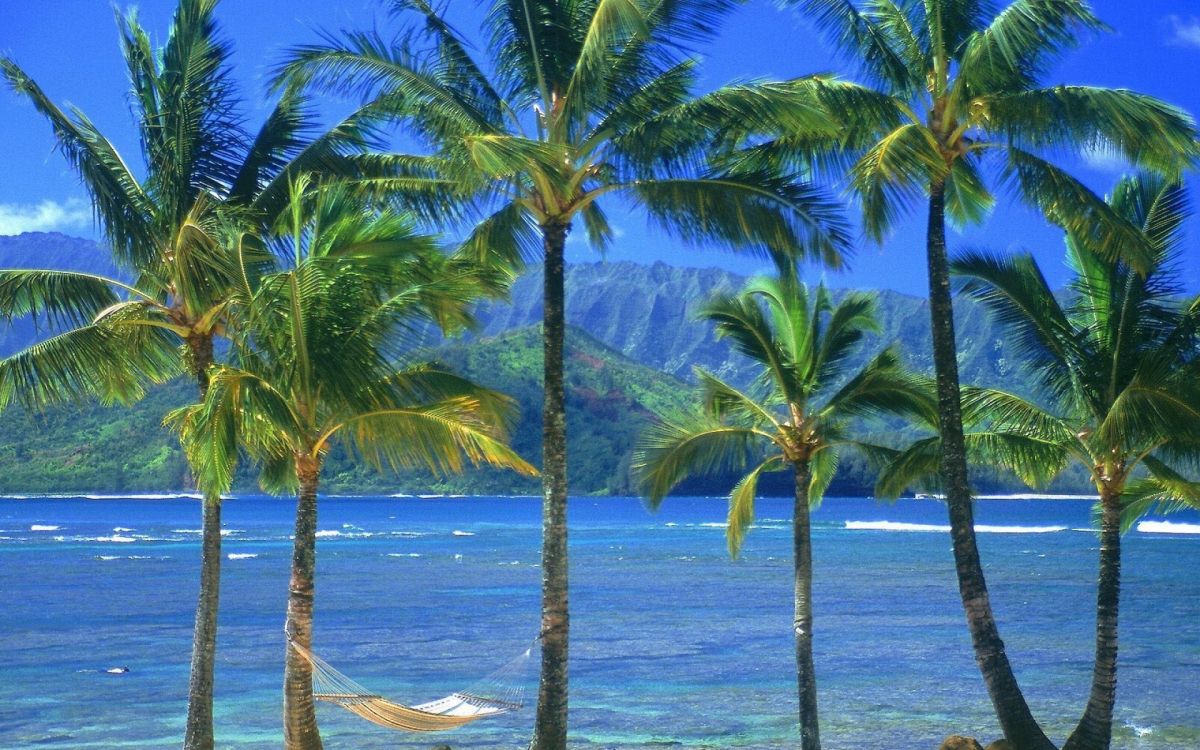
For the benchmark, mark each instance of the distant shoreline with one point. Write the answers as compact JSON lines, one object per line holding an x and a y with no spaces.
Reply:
{"x":154,"y":496}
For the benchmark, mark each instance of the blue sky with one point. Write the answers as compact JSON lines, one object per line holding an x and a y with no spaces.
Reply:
{"x":70,"y":47}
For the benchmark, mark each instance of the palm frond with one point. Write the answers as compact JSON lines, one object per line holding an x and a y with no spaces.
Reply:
{"x":443,"y":437}
{"x":1020,"y":300}
{"x":1147,"y":131}
{"x":1021,"y":43}
{"x":864,"y":41}
{"x":889,"y":175}
{"x":1164,"y":491}
{"x":741,"y":504}
{"x":778,"y":217}
{"x":121,"y":205}
{"x":823,"y":467}
{"x":669,"y":452}
{"x":884,"y":386}
{"x":730,"y":405}
{"x":916,"y":465}
{"x":63,"y":297}
{"x":91,"y":361}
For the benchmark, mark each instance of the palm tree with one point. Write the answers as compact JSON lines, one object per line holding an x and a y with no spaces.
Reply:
{"x":164,"y":230}
{"x":589,"y":99}
{"x":799,"y":421}
{"x":316,"y":364}
{"x":1122,"y":358}
{"x":961,"y":87}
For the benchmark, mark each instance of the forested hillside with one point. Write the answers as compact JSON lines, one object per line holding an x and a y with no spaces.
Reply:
{"x":633,"y":344}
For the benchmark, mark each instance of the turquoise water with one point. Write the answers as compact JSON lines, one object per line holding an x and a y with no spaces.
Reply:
{"x":673,"y":644}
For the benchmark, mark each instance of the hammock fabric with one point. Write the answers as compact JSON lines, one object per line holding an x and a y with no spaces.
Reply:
{"x":498,"y":693}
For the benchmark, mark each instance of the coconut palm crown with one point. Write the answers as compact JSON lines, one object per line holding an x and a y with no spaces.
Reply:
{"x":581,"y":102}
{"x":962,"y":82}
{"x":796,"y":418}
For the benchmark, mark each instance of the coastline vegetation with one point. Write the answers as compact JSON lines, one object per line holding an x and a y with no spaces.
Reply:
{"x":317,"y":255}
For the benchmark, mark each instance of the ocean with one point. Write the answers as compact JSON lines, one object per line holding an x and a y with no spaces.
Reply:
{"x":673,"y":643}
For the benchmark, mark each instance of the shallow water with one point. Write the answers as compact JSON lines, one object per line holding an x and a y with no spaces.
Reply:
{"x":673,"y":644}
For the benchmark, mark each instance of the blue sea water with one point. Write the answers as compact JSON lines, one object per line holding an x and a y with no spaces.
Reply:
{"x":673,"y":644}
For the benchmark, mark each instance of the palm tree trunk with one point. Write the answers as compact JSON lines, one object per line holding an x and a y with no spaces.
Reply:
{"x":550,"y":726}
{"x":1094,"y":731}
{"x":198,"y":734}
{"x":299,"y":708}
{"x":1008,"y":702}
{"x":802,"y":624}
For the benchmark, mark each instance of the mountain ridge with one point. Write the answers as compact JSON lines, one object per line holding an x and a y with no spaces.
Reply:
{"x":633,"y":342}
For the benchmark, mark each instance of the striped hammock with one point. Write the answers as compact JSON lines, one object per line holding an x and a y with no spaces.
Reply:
{"x":498,"y":693}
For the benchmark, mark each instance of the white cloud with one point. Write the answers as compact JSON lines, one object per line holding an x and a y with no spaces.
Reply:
{"x":47,"y":216}
{"x":1185,"y":31}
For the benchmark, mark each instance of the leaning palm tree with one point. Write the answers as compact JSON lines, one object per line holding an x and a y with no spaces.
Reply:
{"x":961,"y":84}
{"x":1120,"y":360}
{"x":316,"y":364}
{"x":590,"y":100}
{"x":163,"y":229}
{"x":799,"y":422}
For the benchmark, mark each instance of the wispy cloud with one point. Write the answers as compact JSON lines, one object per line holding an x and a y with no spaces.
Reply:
{"x":46,"y":216}
{"x":1184,"y":31}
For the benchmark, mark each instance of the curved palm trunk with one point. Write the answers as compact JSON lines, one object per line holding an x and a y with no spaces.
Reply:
{"x":1094,"y":731}
{"x":1013,"y":713}
{"x":802,"y":625}
{"x":299,"y":707}
{"x":199,"y":732}
{"x":550,"y":727}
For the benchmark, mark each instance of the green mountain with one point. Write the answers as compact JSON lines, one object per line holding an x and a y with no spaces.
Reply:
{"x":112,"y":449}
{"x":633,"y":342}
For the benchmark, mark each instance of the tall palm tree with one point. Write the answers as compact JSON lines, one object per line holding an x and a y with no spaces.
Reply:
{"x":961,"y":83}
{"x":163,"y":229}
{"x":1122,"y":360}
{"x":799,"y":421}
{"x":583,"y":100}
{"x":316,"y":363}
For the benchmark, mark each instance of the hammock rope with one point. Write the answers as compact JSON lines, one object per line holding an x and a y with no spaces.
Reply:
{"x":497,"y":693}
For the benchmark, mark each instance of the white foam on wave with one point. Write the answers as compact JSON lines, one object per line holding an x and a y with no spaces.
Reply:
{"x":456,"y":532}
{"x":242,"y":555}
{"x":671,"y":524}
{"x":149,"y":496}
{"x":987,"y":529}
{"x":404,"y":554}
{"x":119,"y":529}
{"x":979,"y":528}
{"x":128,"y":557}
{"x":1140,"y":731}
{"x":712,"y":525}
{"x":1168,"y":527}
{"x":224,"y":532}
{"x":44,"y":527}
{"x":326,"y":533}
{"x":116,"y":538}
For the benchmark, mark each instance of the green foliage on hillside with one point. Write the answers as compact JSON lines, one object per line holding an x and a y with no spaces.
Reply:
{"x":633,"y":343}
{"x":94,"y":448}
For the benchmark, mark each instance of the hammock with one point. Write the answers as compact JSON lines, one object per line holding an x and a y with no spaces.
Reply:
{"x":498,"y":693}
